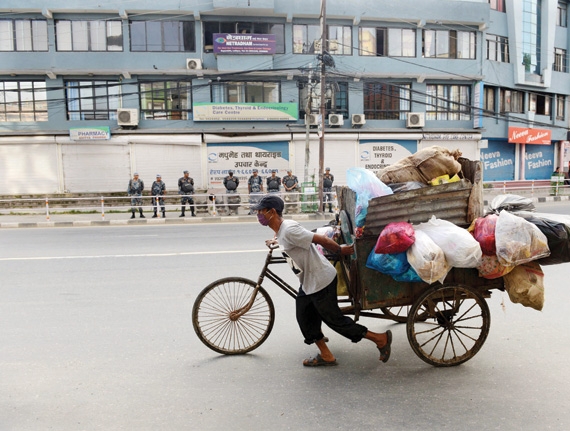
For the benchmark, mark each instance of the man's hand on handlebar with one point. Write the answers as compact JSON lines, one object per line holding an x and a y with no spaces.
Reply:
{"x":272,"y":243}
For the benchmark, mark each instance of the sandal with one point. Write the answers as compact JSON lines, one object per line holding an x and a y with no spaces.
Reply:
{"x":387,"y":349}
{"x":318,"y":361}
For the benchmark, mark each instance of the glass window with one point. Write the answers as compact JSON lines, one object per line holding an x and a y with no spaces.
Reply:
{"x":497,"y":48}
{"x":560,"y":60}
{"x":246,"y":92}
{"x":449,"y":44}
{"x":305,"y":37}
{"x":162,"y":36}
{"x":560,"y":107}
{"x":336,"y":98}
{"x":23,"y":35}
{"x":539,"y":103}
{"x":448,"y":102}
{"x":384,"y":101}
{"x":340,"y":39}
{"x":393,"y":42}
{"x":89,"y":35}
{"x":511,"y":101}
{"x":489,"y":101}
{"x":166,"y":100}
{"x":562,"y":15}
{"x":531,"y":35}
{"x":212,"y":27}
{"x":23,"y":101}
{"x":498,"y":5}
{"x":92,"y":100}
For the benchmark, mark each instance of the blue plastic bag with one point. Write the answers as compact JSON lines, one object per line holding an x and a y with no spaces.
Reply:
{"x":367,"y":186}
{"x":410,"y":276}
{"x":391,"y":264}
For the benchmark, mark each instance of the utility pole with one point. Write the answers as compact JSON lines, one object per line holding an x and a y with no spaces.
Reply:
{"x":321,"y":127}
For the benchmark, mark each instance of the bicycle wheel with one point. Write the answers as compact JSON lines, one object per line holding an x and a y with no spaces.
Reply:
{"x":217,"y":328}
{"x":448,"y":325}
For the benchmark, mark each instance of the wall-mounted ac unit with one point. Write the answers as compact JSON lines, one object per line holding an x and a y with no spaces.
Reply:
{"x":358,"y":119}
{"x":333,"y":45}
{"x":128,"y":117}
{"x":193,"y":63}
{"x":415,"y":119}
{"x":317,"y":45}
{"x":312,"y":119}
{"x":336,"y":120}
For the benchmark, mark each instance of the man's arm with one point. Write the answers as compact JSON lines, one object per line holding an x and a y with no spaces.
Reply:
{"x":332,"y":246}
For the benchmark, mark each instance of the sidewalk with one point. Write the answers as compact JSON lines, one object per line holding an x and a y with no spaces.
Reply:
{"x":39,"y":219}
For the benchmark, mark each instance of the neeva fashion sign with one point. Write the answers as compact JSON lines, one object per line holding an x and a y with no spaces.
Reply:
{"x":203,"y":111}
{"x":244,"y":43}
{"x":524,"y":135}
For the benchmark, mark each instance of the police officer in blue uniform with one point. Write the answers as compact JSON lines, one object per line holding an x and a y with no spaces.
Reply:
{"x":135,"y":189}
{"x":186,"y":189}
{"x":158,"y":190}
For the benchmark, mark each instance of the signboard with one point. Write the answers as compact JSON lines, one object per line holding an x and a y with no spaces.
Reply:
{"x":498,"y":161}
{"x":245,"y":111}
{"x":90,"y":133}
{"x":376,"y":155}
{"x":242,"y":158}
{"x":478,"y":106}
{"x":539,"y":162}
{"x":524,"y":135}
{"x":240,"y":43}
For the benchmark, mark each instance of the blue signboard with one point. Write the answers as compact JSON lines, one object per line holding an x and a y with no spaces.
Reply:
{"x":539,"y":162}
{"x":498,"y":161}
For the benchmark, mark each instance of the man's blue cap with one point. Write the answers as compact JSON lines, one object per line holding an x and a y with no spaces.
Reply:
{"x":269,"y":201}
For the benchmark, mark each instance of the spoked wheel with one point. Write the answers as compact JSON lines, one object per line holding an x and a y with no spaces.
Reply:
{"x":216,"y":323}
{"x":448,"y":325}
{"x":400,"y":314}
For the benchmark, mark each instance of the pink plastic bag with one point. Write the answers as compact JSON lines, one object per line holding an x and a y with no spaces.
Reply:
{"x":395,"y":238}
{"x":484,"y":233}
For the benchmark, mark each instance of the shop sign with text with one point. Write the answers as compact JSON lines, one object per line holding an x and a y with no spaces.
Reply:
{"x":90,"y":133}
{"x":203,"y":111}
{"x":525,"y":135}
{"x":231,"y":43}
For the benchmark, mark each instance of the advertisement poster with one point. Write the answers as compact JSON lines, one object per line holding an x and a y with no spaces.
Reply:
{"x":498,"y":161}
{"x":206,"y":111}
{"x":244,"y":43}
{"x":538,"y":162}
{"x":377,"y":154}
{"x":242,"y":158}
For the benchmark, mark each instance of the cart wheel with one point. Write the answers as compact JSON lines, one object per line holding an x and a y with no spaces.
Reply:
{"x":397,"y":314}
{"x":214,"y":325}
{"x":448,"y":325}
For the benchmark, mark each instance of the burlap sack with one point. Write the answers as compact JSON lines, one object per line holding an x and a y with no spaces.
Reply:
{"x":435,"y":161}
{"x":402,"y":171}
{"x":525,"y":285}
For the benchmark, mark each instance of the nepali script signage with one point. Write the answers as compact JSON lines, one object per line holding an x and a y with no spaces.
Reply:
{"x":240,"y":43}
{"x":524,"y":135}
{"x":203,"y":111}
{"x":90,"y":133}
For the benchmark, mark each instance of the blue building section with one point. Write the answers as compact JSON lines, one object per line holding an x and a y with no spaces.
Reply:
{"x":498,"y":161}
{"x":539,"y":162}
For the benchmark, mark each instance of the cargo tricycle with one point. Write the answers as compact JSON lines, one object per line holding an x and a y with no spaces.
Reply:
{"x":446,"y":323}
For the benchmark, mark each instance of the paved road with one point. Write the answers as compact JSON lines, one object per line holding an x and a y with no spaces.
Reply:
{"x":97,"y":335}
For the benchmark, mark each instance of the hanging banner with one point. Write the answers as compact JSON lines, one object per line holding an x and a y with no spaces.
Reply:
{"x":240,"y":43}
{"x":242,"y":158}
{"x":524,"y":135}
{"x":378,"y":154}
{"x":205,"y":111}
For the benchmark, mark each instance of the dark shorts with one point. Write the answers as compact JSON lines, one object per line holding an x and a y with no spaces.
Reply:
{"x":314,"y":309}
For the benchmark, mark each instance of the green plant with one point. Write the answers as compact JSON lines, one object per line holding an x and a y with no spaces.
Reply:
{"x":526,"y":61}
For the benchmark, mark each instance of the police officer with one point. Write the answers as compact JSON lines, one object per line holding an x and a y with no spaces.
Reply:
{"x":231,"y":184}
{"x":290,"y":184}
{"x":255,"y":188}
{"x":186,"y":189}
{"x":328,"y":180}
{"x":158,"y":190}
{"x":135,"y":189}
{"x":273,"y":182}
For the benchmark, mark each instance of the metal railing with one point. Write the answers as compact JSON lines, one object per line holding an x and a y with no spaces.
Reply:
{"x":209,"y":203}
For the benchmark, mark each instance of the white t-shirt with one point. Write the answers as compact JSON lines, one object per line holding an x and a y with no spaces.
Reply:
{"x":314,"y":271}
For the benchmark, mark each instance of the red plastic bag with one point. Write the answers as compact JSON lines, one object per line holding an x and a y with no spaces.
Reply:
{"x":484,"y":233}
{"x":395,"y":238}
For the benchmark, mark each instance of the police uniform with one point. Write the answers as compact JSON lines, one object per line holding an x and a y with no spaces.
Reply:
{"x":135,"y":189}
{"x":186,"y":188}
{"x":273,"y":183}
{"x":255,"y":186}
{"x":231,"y":184}
{"x":157,"y":190}
{"x":290,"y":183}
{"x":328,"y":180}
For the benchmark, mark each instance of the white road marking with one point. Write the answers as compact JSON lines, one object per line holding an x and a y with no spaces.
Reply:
{"x":113,"y":256}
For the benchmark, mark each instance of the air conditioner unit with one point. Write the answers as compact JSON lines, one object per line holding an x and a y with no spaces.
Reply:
{"x":333,"y":45}
{"x":415,"y":119}
{"x":317,"y":45}
{"x":336,"y":120}
{"x":358,"y":119}
{"x":128,"y":117}
{"x":193,"y":63}
{"x":312,"y":119}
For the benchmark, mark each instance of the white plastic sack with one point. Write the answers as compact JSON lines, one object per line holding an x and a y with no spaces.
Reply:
{"x":427,"y":259}
{"x":460,"y":248}
{"x":518,"y":241}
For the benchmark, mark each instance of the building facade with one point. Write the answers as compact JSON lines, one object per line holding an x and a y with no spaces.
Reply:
{"x":91,"y":92}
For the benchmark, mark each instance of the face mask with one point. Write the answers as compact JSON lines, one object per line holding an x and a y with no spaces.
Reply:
{"x":262,"y":219}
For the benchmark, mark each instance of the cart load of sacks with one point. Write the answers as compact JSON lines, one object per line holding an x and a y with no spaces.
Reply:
{"x":508,"y":242}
